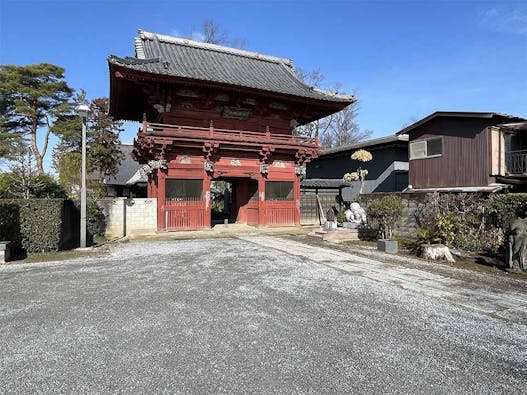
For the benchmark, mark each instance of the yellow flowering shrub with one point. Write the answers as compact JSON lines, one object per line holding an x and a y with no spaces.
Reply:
{"x":362,"y":155}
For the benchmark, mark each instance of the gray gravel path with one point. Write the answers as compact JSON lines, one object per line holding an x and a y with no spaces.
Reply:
{"x":229,"y":316}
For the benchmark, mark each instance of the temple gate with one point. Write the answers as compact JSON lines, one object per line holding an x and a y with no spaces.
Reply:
{"x":217,"y":113}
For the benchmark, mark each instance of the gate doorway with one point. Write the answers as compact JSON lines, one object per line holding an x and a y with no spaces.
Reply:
{"x":234,"y":200}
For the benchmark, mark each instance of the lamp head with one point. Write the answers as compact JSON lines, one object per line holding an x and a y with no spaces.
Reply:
{"x":83,"y":110}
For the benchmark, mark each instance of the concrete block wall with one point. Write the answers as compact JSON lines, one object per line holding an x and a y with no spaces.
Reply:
{"x":129,"y":216}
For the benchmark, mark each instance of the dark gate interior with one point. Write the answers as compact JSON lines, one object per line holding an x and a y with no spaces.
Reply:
{"x":240,"y":202}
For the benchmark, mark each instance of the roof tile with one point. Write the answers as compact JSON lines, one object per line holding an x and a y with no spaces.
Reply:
{"x":182,"y":58}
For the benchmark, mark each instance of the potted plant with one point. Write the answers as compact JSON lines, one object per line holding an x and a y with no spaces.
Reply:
{"x":386,"y":213}
{"x":341,"y":218}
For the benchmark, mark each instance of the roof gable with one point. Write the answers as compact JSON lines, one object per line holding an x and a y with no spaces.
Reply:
{"x":127,"y":168}
{"x":392,"y":140}
{"x":460,"y":114}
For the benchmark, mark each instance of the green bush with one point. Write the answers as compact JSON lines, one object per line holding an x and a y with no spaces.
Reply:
{"x":427,"y":236}
{"x":38,"y":225}
{"x":12,"y":186}
{"x":341,"y":217}
{"x":449,"y":226}
{"x":472,"y":222}
{"x":502,"y":210}
{"x":385,"y":213}
{"x":95,"y":219}
{"x":10,"y":224}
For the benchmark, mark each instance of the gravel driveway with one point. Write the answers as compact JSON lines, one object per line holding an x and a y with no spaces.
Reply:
{"x":226,"y":315}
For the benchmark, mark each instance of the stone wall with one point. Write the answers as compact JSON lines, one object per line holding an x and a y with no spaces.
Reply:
{"x":129,"y":216}
{"x":407,"y":225}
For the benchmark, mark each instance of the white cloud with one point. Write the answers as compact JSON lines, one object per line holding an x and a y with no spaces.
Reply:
{"x":505,"y":20}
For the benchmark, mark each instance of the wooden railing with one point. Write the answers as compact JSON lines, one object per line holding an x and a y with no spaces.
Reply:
{"x":516,"y":162}
{"x":159,"y":129}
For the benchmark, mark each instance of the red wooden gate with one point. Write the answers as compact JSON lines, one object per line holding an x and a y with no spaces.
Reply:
{"x":184,"y":215}
{"x":280,"y":213}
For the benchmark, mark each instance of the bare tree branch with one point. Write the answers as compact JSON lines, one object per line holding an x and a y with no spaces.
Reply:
{"x":336,"y":129}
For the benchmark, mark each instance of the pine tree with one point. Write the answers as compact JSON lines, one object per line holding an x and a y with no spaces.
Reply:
{"x":33,"y":97}
{"x":104,"y":151}
{"x":103,"y":145}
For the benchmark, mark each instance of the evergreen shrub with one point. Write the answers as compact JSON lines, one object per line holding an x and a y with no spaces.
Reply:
{"x":39,"y":225}
{"x":502,"y":210}
{"x":385,"y":213}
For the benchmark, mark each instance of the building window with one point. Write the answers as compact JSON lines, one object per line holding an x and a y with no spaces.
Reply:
{"x":181,"y":189}
{"x":279,"y":190}
{"x":429,"y":148}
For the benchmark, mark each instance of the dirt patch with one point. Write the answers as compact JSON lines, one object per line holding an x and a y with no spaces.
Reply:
{"x":62,"y":255}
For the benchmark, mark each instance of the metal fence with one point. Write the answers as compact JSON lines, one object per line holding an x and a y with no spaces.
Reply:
{"x":516,"y":162}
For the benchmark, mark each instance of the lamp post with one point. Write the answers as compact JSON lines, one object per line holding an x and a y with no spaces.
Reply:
{"x":83,"y":111}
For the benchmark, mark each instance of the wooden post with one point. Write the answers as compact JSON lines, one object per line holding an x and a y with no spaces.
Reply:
{"x":145,"y":124}
{"x":211,"y":129}
{"x":161,"y":177}
{"x":207,"y":199}
{"x":261,"y":200}
{"x":296,"y":197}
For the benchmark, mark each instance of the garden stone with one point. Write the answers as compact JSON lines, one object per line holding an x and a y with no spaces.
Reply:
{"x":516,"y":259}
{"x":5,"y":251}
{"x":436,"y":252}
{"x":350,"y":225}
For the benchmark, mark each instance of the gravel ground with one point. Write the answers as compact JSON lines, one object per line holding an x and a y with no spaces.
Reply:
{"x":228,"y":316}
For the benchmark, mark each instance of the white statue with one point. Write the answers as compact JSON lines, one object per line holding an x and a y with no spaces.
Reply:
{"x":355,"y":214}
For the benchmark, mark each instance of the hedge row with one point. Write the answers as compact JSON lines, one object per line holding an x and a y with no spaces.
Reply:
{"x":39,"y":225}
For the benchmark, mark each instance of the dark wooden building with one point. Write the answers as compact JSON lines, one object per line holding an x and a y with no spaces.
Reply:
{"x":217,"y":113}
{"x":127,"y":182}
{"x":387,"y":171}
{"x":467,"y":151}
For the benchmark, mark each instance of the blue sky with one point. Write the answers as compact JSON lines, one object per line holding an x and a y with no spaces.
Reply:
{"x":404,"y":59}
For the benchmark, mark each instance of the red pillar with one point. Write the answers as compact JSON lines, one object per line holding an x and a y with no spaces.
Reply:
{"x":296,"y":197}
{"x":161,"y":177}
{"x":207,"y":199}
{"x":261,"y":200}
{"x":151,"y":190}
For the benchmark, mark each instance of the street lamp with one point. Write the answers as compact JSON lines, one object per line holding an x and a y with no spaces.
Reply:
{"x":83,"y":111}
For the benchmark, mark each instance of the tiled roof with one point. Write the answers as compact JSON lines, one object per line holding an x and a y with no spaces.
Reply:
{"x":324,"y":183}
{"x":365,"y":144}
{"x":171,"y":56}
{"x":127,"y":168}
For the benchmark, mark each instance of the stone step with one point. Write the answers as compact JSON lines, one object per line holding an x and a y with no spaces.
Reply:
{"x":339,"y":237}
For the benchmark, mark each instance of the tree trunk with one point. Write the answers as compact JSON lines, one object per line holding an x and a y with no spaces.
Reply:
{"x":38,"y":157}
{"x":34,"y":146}
{"x":40,"y":165}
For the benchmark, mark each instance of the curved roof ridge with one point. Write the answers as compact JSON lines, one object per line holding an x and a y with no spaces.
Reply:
{"x":144,"y":35}
{"x":139,"y":49}
{"x":131,"y":61}
{"x":315,"y":89}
